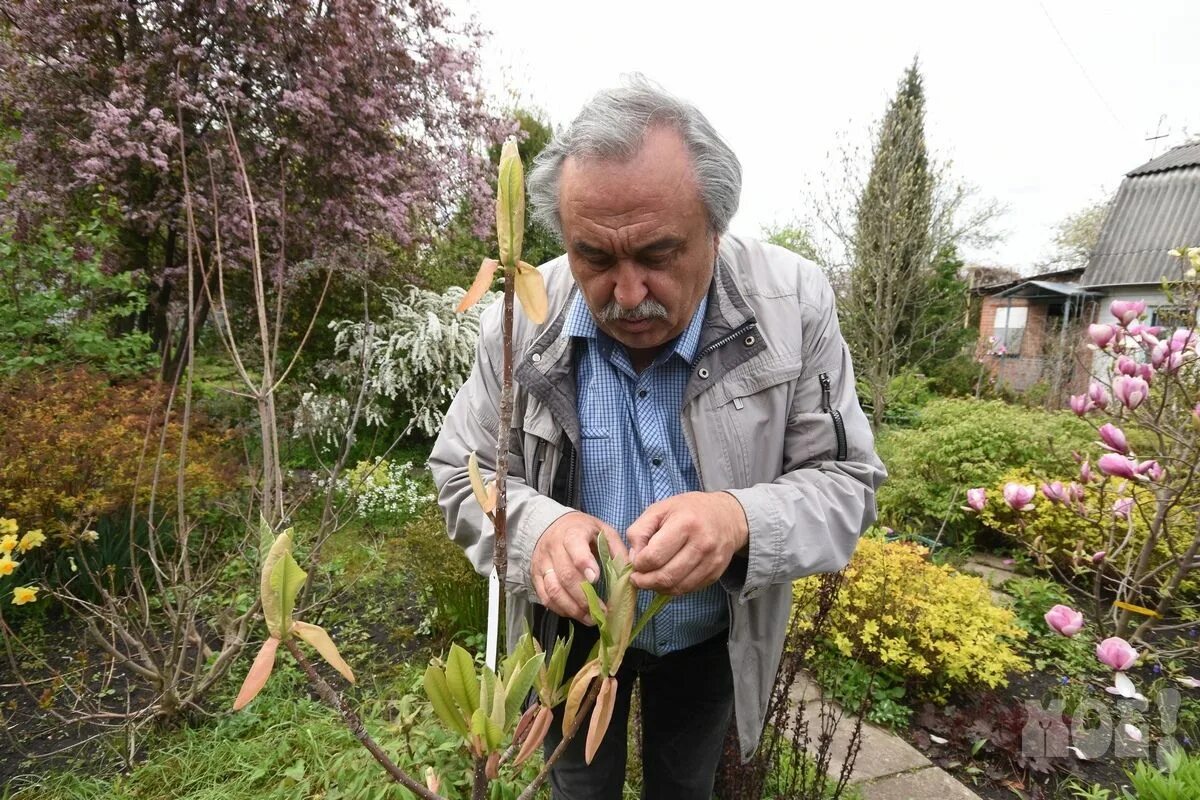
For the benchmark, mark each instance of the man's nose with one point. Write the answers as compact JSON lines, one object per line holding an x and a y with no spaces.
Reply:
{"x":630,"y":287}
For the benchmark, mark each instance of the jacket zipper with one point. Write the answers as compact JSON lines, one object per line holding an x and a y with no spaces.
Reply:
{"x":839,"y":427}
{"x":724,"y":340}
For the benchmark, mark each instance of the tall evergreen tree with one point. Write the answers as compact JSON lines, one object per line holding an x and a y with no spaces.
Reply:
{"x":892,"y":279}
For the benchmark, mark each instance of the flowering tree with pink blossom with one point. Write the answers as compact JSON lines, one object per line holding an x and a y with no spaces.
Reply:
{"x":1140,"y":489}
{"x":369,"y":112}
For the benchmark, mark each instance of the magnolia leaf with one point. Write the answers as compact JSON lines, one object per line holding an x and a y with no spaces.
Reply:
{"x":596,"y":608}
{"x":531,"y":291}
{"x":519,"y":684}
{"x":535,"y":737}
{"x":272,"y":604}
{"x":286,"y":581}
{"x":479,"y":287}
{"x":438,"y":692}
{"x":266,"y":537}
{"x":256,"y":678}
{"x":601,"y":716}
{"x":656,"y":605}
{"x":551,"y":691}
{"x":492,"y":768}
{"x":486,"y":500}
{"x":487,"y":690}
{"x":575,"y":695}
{"x":460,"y":675}
{"x":526,"y":649}
{"x":510,"y":204}
{"x":316,"y":636}
{"x":499,"y":704}
{"x":483,"y":727}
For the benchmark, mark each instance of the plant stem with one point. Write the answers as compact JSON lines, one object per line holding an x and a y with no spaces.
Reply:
{"x":480,"y":787}
{"x":588,"y":701}
{"x":500,"y":552}
{"x":355,"y":724}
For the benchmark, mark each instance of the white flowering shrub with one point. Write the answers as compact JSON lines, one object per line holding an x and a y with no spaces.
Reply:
{"x":410,"y":362}
{"x":380,"y":487}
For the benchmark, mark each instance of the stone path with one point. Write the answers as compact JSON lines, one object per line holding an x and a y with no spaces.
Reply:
{"x":887,"y":767}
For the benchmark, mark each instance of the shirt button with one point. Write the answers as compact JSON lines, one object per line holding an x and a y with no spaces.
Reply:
{"x":643,"y":392}
{"x":656,"y":461}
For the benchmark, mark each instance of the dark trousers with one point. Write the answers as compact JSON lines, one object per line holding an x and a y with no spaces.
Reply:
{"x":687,"y":705}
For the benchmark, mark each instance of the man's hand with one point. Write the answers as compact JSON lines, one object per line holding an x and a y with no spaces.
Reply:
{"x":685,"y":542}
{"x":563,"y":558}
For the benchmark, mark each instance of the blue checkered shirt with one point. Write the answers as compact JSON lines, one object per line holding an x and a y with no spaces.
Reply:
{"x":634,"y":454}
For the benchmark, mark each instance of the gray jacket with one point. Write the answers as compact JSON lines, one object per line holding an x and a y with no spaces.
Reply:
{"x":770,"y":414}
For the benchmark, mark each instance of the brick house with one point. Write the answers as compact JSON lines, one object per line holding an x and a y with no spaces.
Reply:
{"x":1031,"y":329}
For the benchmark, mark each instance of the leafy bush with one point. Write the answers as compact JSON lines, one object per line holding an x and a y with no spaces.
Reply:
{"x":380,"y":487}
{"x":961,"y":376}
{"x":958,"y":444}
{"x":61,"y":303}
{"x":1061,"y":535}
{"x":930,"y":624}
{"x":408,"y":365}
{"x":74,"y":448}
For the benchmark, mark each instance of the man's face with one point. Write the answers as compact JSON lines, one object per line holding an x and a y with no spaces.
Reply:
{"x":637,"y":235}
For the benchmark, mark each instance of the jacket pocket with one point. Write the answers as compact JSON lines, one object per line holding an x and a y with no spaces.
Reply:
{"x":835,"y":416}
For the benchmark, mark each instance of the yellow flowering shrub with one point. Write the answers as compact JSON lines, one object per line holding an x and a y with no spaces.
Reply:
{"x":932,"y":624}
{"x":10,"y":543}
{"x":1057,"y":534}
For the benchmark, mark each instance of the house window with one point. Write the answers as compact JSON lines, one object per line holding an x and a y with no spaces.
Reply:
{"x":1010,"y":329}
{"x":1172,"y":317}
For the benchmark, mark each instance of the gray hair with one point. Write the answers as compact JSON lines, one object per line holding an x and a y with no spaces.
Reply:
{"x":613,"y":126}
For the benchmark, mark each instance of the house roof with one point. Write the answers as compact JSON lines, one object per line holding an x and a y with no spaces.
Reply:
{"x":1156,"y":209}
{"x":1062,"y":276}
{"x":1034,"y":289}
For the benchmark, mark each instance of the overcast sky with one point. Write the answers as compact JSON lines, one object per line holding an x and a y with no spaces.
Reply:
{"x":1042,"y":105}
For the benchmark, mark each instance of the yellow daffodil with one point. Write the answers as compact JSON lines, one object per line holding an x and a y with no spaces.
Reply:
{"x":7,"y":565}
{"x":8,"y":526}
{"x":31,"y":539}
{"x":8,"y":543}
{"x":24,"y":594}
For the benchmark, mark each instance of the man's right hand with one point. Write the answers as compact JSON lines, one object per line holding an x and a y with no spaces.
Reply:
{"x":564,"y":557}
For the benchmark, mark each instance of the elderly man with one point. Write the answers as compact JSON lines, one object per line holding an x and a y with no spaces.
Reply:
{"x":690,"y":397}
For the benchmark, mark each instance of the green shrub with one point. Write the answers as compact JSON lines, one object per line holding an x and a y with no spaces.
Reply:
{"x":930,"y":624}
{"x":958,"y":444}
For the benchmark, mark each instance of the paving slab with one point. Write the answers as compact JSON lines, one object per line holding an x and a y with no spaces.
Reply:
{"x":880,"y":753}
{"x":922,"y":784}
{"x":804,"y":690}
{"x":994,"y":561}
{"x":995,"y":576}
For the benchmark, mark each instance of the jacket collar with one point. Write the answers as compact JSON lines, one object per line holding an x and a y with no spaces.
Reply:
{"x":546,"y":368}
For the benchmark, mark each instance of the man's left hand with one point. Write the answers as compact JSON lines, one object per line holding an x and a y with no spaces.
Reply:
{"x":685,"y":542}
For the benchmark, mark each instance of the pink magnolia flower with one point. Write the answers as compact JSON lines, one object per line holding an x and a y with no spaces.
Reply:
{"x":1080,"y":404}
{"x":1098,"y":556}
{"x":1065,"y":620}
{"x":1196,"y":413}
{"x":1113,"y":438}
{"x":1085,"y":473}
{"x":1145,"y":372}
{"x":1173,"y":363}
{"x":1098,"y":394}
{"x":1126,"y":365}
{"x":1182,"y":339}
{"x":1116,"y":465}
{"x":1151,"y":469}
{"x":1055,"y":492}
{"x":1158,"y":355}
{"x":1101,"y":335}
{"x":976,"y":498}
{"x":1116,"y":653}
{"x":1018,"y":495}
{"x":1121,"y":508}
{"x":1076,"y":492}
{"x":1123,"y":687}
{"x":1126,"y":311}
{"x":1130,"y":391}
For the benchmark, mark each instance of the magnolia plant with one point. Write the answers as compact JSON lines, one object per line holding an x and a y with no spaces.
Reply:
{"x":483,"y":706}
{"x":1135,"y":498}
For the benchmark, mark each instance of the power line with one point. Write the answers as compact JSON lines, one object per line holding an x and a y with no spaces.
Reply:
{"x":1079,"y":64}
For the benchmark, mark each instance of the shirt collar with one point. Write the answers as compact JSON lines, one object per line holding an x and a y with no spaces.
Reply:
{"x":580,"y":323}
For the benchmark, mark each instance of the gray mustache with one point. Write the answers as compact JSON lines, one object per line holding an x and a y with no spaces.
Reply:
{"x":647,"y":309}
